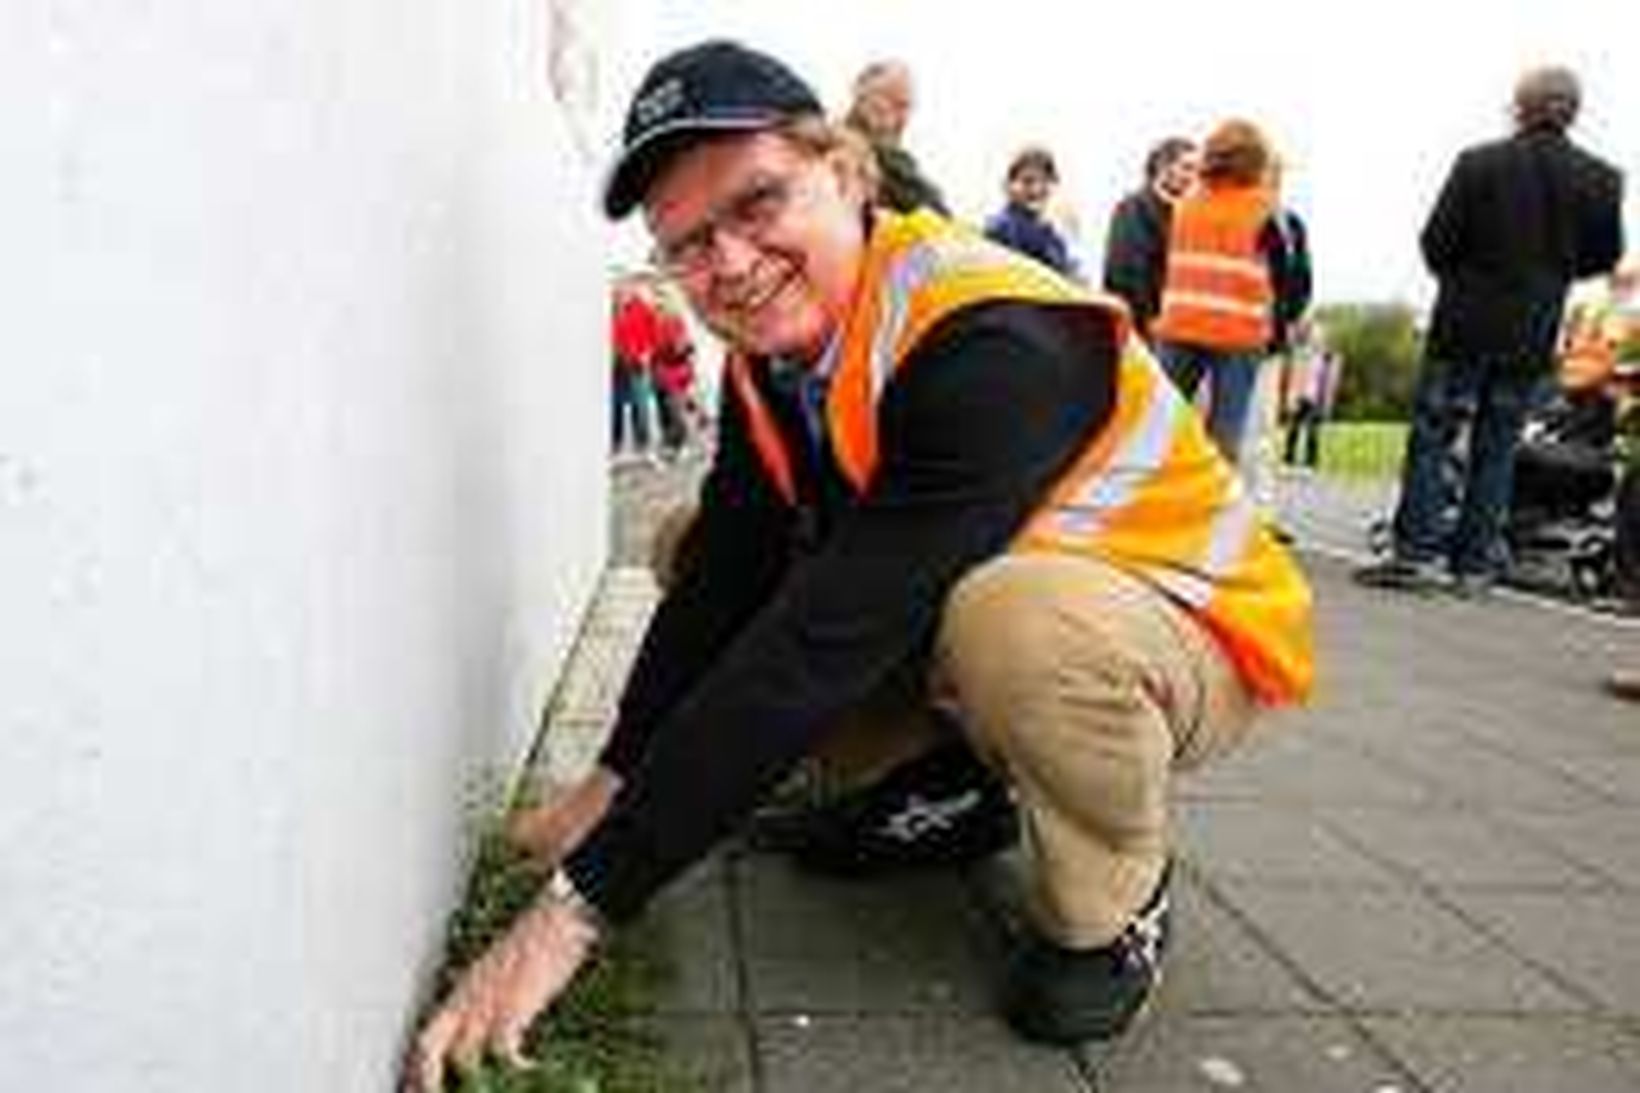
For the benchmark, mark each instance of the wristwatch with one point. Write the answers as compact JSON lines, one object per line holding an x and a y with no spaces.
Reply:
{"x":562,"y":891}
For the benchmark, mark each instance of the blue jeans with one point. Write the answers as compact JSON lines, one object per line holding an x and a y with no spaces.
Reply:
{"x":1230,"y":398}
{"x":631,"y":395}
{"x":1494,"y":403}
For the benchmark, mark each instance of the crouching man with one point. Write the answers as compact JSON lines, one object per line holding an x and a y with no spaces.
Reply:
{"x":934,"y":454}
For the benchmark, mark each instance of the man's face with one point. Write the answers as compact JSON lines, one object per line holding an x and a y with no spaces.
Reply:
{"x":1031,"y":187}
{"x":883,"y":104}
{"x":764,"y":238}
{"x":1178,"y":177}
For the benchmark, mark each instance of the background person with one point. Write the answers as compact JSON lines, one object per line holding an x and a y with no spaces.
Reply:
{"x":1225,"y":261}
{"x":1309,"y":391}
{"x":1022,"y":224}
{"x":635,"y":326}
{"x":674,"y":377}
{"x":1294,"y":286}
{"x":1516,"y":222}
{"x":1136,"y":239}
{"x":883,"y":100}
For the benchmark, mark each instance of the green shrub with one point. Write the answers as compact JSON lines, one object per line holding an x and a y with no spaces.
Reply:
{"x":1381,"y":348}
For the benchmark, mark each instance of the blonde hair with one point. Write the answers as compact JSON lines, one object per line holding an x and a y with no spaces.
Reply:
{"x":844,"y":146}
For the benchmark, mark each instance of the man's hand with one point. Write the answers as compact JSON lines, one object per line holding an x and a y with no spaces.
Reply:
{"x":549,"y":832}
{"x":501,"y":993}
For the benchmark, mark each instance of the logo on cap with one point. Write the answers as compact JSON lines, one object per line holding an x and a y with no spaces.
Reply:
{"x":659,"y":102}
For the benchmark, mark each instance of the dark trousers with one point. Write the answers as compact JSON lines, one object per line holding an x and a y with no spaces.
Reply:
{"x":1232,"y":376}
{"x":1494,"y":402}
{"x":669,"y":409}
{"x":630,"y":404}
{"x":1303,"y":434}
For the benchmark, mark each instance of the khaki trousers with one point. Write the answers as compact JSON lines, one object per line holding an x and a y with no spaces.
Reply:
{"x":1085,"y":688}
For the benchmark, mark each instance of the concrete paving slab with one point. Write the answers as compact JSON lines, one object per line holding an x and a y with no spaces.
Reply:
{"x":1216,"y":967}
{"x":1513,"y":1055}
{"x":1461,"y":849}
{"x":906,"y":1054}
{"x":704,"y":1054}
{"x":689,"y":923}
{"x":1478,"y":775}
{"x":1299,"y":767}
{"x":817,"y":946}
{"x":1278,"y":1054}
{"x":1395,"y":950}
{"x":1274,"y":843}
{"x":1603,"y":839}
{"x":1590,"y":940}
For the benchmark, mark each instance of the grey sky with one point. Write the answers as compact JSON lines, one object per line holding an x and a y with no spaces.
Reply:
{"x":1368,"y":103}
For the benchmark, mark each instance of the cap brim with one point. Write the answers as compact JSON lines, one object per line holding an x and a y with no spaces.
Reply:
{"x":641,"y":161}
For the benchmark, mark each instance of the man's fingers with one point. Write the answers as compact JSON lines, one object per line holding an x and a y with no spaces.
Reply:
{"x":509,"y":1047}
{"x":467,"y":1052}
{"x":427,"y":1062}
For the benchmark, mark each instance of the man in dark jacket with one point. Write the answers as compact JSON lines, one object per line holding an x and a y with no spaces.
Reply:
{"x":880,"y":112}
{"x":1136,"y":241}
{"x":1517,"y":221}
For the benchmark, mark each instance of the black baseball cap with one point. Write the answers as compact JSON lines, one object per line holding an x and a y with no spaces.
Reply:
{"x":714,"y":87}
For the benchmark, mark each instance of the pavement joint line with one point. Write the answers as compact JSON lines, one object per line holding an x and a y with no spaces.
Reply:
{"x":1438,"y":896}
{"x":1607,"y":883}
{"x":1336,"y":1006}
{"x":1482,"y":742}
{"x":745,"y":1011}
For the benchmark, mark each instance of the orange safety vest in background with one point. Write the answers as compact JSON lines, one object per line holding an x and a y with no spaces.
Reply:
{"x":1149,"y":492}
{"x":1217,"y":293}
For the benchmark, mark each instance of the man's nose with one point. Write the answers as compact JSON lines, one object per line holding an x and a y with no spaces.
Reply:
{"x":735,"y":255}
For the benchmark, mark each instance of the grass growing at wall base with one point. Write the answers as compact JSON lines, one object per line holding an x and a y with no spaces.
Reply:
{"x":592,"y":1040}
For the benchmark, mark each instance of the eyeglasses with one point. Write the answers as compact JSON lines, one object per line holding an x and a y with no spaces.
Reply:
{"x":748,"y":215}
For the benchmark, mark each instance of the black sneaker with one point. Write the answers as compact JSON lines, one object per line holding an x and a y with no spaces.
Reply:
{"x":943,"y":808}
{"x":1401,"y":574}
{"x":1054,"y":995}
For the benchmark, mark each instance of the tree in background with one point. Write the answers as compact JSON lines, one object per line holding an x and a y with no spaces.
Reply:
{"x":1381,"y":346}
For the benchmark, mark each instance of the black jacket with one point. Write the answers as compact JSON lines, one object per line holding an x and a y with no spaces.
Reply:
{"x":1293,"y":276}
{"x":1516,"y":222}
{"x":1136,"y":253}
{"x":902,"y":186}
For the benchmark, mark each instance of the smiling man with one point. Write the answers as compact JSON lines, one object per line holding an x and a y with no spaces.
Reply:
{"x":939,"y":461}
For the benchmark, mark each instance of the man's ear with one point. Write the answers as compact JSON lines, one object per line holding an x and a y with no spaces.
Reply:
{"x":854,"y":167}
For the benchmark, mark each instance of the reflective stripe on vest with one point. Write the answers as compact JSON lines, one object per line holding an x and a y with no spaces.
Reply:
{"x":1217,"y":291}
{"x":1149,"y":492}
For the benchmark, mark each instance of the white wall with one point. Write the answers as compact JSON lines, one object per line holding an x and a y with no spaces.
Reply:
{"x":302,"y":434}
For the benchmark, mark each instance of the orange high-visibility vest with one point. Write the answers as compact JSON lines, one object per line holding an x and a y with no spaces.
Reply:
{"x":1149,"y":492}
{"x":1217,"y":292}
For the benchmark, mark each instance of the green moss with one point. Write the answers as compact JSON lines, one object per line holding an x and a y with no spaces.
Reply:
{"x":593,"y":1040}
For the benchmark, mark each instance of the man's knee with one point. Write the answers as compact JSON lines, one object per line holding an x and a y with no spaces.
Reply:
{"x":1022,"y":637}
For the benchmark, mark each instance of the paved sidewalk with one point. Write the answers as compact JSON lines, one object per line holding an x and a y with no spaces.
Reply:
{"x":1429,"y":880}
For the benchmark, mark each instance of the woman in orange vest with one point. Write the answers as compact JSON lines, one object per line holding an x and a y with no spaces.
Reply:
{"x":947,"y":475}
{"x":1224,"y":260}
